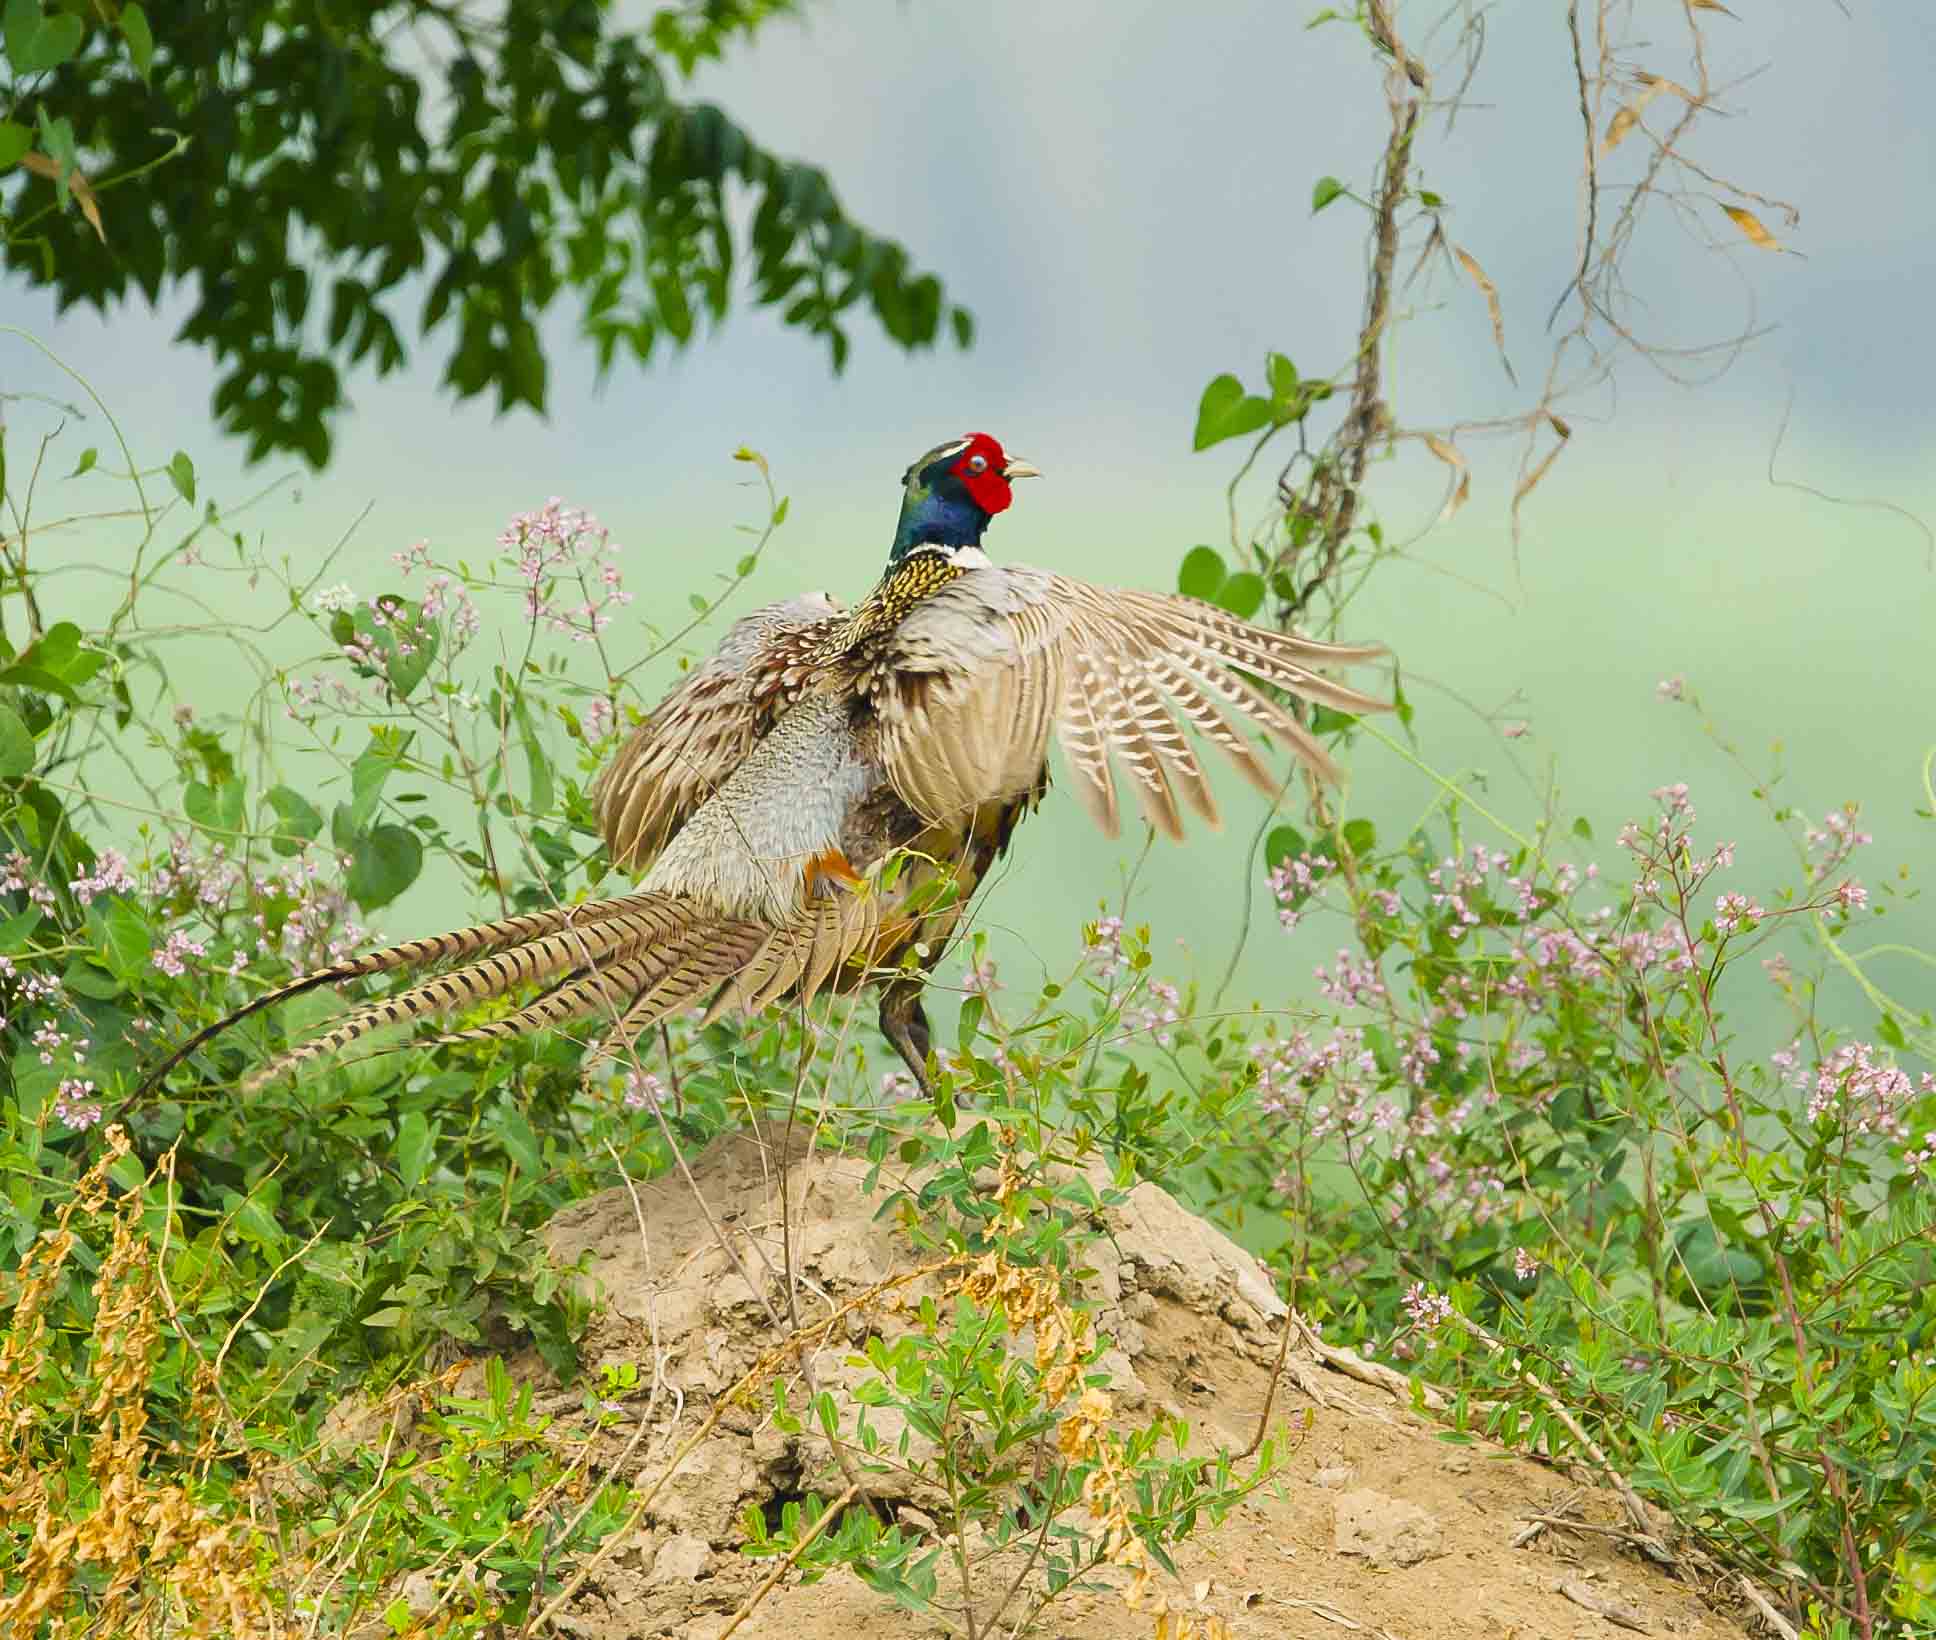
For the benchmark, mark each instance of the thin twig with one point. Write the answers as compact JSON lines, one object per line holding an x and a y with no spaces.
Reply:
{"x":1591,"y":171}
{"x":1770,"y":1615}
{"x":792,"y":1560}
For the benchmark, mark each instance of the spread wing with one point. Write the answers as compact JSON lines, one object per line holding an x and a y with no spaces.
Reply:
{"x":977,"y":678}
{"x":699,"y":733}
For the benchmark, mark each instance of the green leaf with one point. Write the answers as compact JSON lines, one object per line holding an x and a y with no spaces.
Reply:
{"x":524,"y":370}
{"x":516,"y":1134}
{"x":1201,"y":574}
{"x":1401,"y":704}
{"x":16,"y":930}
{"x":20,"y":24}
{"x":535,"y":760}
{"x":1361,"y":837}
{"x":214,"y":809}
{"x":475,"y":199}
{"x":297,"y":821}
{"x":24,"y":676}
{"x":384,"y":862}
{"x":1283,"y":843}
{"x":181,"y":473}
{"x":1891,"y":1032}
{"x":1283,"y":378}
{"x":1323,"y":191}
{"x":15,"y":140}
{"x":1242,"y":594}
{"x":16,"y":745}
{"x":969,"y":1024}
{"x":389,"y":635}
{"x":37,"y":42}
{"x":58,"y":654}
{"x":416,"y":1146}
{"x":83,"y":977}
{"x":127,"y":941}
{"x":406,"y":629}
{"x":86,"y":464}
{"x":377,"y":762}
{"x":141,"y":41}
{"x":1225,"y":411}
{"x":258,"y":1224}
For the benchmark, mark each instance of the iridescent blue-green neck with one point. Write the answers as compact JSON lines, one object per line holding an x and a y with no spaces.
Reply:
{"x":937,"y":515}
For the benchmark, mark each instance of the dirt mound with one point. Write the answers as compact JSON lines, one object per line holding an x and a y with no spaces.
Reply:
{"x":1376,"y":1524}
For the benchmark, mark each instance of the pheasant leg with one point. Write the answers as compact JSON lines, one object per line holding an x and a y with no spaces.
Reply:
{"x":904,"y":1022}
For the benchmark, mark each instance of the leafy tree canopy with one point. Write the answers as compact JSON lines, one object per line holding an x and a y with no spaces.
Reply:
{"x":313,"y":170}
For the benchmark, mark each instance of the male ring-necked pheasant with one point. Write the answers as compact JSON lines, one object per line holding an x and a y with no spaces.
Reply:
{"x":764,"y":798}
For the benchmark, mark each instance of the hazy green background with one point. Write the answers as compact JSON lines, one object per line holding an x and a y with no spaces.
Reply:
{"x":1121,"y":193}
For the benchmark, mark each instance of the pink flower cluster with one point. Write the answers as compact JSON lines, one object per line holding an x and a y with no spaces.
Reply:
{"x":320,"y":694}
{"x":171,"y":957}
{"x":111,"y":875}
{"x":1832,"y":842}
{"x":1162,"y":1010}
{"x":1864,"y":1093}
{"x":203,"y":891}
{"x":205,"y":882}
{"x":1454,"y":881}
{"x":599,"y":721}
{"x":1103,"y":946}
{"x":1353,"y":983}
{"x":1292,"y":882}
{"x":1427,"y":1307}
{"x":1536,"y":956}
{"x":75,"y":1105}
{"x":19,"y":875}
{"x":445,"y":600}
{"x":1323,"y":1083}
{"x":559,"y":545}
{"x":1736,"y":913}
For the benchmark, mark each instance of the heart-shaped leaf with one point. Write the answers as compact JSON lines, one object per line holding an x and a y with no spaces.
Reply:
{"x":1226,"y":411}
{"x":1201,"y":574}
{"x":1242,"y":594}
{"x":384,"y":862}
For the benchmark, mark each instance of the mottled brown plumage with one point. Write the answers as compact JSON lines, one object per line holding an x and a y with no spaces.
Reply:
{"x":813,"y":807}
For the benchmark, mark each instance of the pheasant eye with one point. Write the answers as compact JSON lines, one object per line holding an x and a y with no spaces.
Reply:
{"x":978,"y":464}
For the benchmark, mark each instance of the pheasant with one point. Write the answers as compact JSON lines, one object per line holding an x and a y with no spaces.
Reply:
{"x":813,"y":807}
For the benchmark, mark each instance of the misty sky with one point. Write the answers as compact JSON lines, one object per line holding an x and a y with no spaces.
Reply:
{"x":1121,"y":194}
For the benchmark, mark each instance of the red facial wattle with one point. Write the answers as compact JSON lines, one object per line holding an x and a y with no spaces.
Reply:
{"x":980,"y":469}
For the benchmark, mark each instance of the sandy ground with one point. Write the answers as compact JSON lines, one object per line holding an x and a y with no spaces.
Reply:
{"x":1375,"y":1524}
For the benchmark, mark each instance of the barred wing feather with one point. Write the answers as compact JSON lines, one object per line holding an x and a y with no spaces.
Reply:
{"x":698,"y":735}
{"x":978,"y":677}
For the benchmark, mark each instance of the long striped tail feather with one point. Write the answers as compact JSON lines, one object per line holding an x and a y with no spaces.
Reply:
{"x":564,"y":927}
{"x":629,"y":963}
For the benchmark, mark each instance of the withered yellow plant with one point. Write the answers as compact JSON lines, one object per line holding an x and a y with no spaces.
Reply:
{"x":155,"y":1559}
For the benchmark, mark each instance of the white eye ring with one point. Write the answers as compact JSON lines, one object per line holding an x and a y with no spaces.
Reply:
{"x":978,"y":464}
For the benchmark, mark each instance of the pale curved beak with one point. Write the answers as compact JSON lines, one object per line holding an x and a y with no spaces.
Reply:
{"x":1021,"y":469}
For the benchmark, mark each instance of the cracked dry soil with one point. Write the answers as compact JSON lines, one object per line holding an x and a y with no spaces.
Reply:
{"x":1376,"y":1525}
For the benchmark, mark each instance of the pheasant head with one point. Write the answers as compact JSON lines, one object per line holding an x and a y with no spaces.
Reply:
{"x":951,"y":494}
